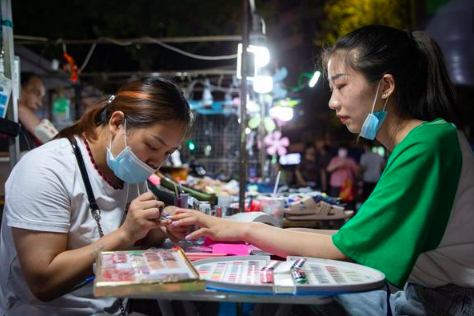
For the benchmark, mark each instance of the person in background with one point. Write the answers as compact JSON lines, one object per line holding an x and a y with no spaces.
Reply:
{"x":342,"y":168}
{"x":371,"y":167}
{"x":307,"y":170}
{"x":417,"y":225}
{"x":33,"y":132}
{"x":323,"y":157}
{"x":51,"y":234}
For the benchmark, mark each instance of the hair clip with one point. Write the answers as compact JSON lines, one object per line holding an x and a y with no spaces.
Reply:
{"x":111,"y":98}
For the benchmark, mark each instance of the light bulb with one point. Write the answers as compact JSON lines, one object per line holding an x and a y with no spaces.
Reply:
{"x":263,"y":84}
{"x":282,"y":113}
{"x":262,"y":55}
{"x":314,"y":79}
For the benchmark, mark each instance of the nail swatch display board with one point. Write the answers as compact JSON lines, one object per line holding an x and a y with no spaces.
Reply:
{"x":122,"y":273}
{"x":324,"y":277}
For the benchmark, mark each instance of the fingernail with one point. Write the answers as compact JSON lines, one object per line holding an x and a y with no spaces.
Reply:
{"x":175,"y":223}
{"x":187,"y":237}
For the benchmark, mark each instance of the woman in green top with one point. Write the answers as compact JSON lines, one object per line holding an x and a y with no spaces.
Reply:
{"x":416,"y":226}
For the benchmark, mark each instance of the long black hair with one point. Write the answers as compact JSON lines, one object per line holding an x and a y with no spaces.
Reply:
{"x":423,"y":89}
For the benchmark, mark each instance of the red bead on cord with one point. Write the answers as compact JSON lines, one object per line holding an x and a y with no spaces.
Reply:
{"x":116,"y":187}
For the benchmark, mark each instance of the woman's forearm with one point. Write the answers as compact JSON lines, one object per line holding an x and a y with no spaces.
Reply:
{"x":51,"y":279}
{"x":77,"y":264}
{"x":332,"y":167}
{"x":283,"y":242}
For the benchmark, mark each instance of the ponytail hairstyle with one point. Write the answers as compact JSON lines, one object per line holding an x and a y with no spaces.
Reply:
{"x":144,"y":102}
{"x":423,"y":89}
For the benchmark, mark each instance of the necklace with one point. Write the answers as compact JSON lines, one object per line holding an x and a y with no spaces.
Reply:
{"x":102,"y":175}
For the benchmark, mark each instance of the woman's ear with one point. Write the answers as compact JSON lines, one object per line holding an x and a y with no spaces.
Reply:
{"x":116,"y":122}
{"x":388,"y":86}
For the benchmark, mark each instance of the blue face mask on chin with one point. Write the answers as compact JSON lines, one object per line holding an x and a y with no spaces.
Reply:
{"x":374,"y":120}
{"x":126,"y":166}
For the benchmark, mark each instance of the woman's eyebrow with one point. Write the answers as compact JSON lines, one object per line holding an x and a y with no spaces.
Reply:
{"x":160,"y":140}
{"x":338,"y":76}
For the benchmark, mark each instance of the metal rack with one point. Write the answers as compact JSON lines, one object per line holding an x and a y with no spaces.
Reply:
{"x":7,"y":42}
{"x":217,"y":146}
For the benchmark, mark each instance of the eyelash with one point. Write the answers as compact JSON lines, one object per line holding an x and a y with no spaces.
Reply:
{"x":156,"y":149}
{"x":152,"y":148}
{"x":338,"y":87}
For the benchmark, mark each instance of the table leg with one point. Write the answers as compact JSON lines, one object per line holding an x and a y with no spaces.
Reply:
{"x":188,"y":308}
{"x":165,"y":307}
{"x":283,"y":309}
{"x":239,"y":308}
{"x":257,"y":310}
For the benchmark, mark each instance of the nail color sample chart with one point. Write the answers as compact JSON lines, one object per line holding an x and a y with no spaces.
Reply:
{"x":136,"y":272}
{"x":329,"y":274}
{"x":242,"y":274}
{"x":144,"y":265}
{"x":239,"y":271}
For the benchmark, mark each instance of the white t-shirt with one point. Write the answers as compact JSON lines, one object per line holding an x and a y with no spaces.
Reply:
{"x":373,"y":166}
{"x":46,"y":192}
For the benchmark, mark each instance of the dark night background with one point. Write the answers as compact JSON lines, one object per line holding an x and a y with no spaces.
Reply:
{"x":296,"y":31}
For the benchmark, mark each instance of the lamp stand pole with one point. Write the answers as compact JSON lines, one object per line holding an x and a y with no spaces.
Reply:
{"x":243,"y":163}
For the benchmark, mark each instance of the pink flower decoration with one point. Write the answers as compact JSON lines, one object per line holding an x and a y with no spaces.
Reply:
{"x":276,"y":144}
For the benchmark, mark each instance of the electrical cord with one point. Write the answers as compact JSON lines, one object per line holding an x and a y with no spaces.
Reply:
{"x":182,"y":52}
{"x":89,"y":54}
{"x":151,"y":40}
